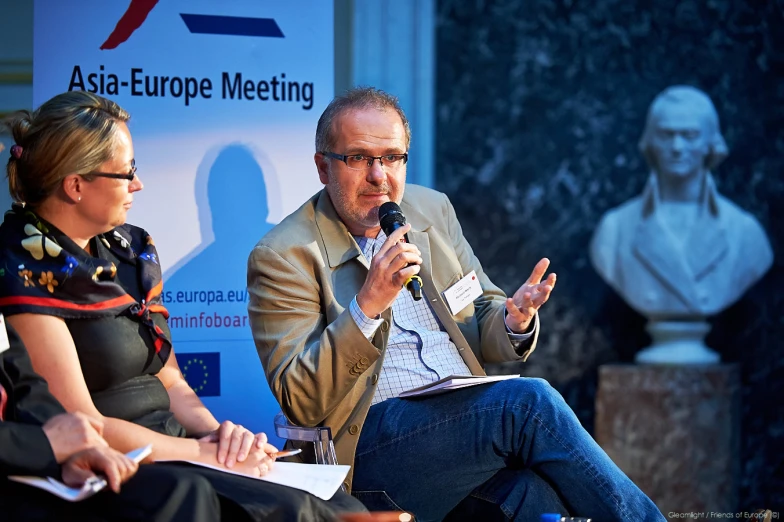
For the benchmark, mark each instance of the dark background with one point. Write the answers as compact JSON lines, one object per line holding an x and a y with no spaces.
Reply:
{"x":540,"y":105}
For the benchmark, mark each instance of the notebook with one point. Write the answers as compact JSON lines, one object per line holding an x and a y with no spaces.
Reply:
{"x":90,"y":487}
{"x":453,"y":382}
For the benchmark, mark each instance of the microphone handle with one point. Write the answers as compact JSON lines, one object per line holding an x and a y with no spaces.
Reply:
{"x":414,"y":283}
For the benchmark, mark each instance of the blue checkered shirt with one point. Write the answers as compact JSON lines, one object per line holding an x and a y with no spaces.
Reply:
{"x":419,"y":350}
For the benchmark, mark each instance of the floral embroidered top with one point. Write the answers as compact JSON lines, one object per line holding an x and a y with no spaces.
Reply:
{"x":43,"y":271}
{"x":110,"y":303}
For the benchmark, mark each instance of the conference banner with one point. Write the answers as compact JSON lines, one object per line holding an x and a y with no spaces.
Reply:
{"x":224,"y":100}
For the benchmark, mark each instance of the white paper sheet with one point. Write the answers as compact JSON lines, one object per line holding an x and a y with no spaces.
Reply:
{"x":318,"y":480}
{"x":453,"y":382}
{"x":90,"y":488}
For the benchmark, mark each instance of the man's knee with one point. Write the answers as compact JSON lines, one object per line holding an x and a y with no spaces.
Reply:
{"x":538,"y":390}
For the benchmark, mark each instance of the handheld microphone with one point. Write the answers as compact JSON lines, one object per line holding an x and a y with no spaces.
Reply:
{"x":391,"y":218}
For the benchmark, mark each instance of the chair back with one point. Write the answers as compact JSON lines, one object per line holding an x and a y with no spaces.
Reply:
{"x":320,"y":436}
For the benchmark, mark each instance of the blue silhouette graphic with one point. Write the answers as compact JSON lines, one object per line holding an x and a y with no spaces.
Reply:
{"x":206,"y":291}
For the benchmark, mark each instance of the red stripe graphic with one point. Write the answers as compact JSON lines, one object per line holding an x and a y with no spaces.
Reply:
{"x":133,"y":18}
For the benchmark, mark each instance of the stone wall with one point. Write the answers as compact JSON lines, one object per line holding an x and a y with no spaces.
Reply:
{"x":540,"y":105}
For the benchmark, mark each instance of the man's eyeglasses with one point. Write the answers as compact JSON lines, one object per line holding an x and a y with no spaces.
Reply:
{"x":129,"y":176}
{"x":363,"y":162}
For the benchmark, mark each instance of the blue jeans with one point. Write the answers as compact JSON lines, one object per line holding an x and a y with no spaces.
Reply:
{"x":427,"y":455}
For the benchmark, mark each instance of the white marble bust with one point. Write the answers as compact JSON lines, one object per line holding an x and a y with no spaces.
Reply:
{"x":680,"y":251}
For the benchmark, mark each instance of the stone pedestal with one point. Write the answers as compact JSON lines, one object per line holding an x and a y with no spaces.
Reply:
{"x":674,"y":430}
{"x":677,"y":342}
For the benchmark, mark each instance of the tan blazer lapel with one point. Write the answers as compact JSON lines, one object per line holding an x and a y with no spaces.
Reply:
{"x":338,"y":243}
{"x":348,"y":264}
{"x":422,"y":241}
{"x":664,"y":260}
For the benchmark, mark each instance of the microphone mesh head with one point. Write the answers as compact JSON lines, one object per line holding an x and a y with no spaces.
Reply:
{"x":390,"y":217}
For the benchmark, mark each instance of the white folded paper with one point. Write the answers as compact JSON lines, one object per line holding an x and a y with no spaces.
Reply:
{"x":453,"y":382}
{"x":318,"y":480}
{"x":90,"y":487}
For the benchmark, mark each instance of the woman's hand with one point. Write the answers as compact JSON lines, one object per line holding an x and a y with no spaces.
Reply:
{"x":235,"y":443}
{"x":257,"y":463}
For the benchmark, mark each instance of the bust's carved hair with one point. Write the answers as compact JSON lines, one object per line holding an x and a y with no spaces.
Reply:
{"x":684,"y":94}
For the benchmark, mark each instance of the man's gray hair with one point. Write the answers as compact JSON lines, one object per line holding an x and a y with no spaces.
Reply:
{"x":685,"y":94}
{"x":356,"y":98}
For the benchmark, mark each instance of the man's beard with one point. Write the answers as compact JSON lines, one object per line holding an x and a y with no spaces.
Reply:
{"x":347,"y":204}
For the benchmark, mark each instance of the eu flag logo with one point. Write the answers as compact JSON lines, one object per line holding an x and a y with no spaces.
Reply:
{"x":202,"y":371}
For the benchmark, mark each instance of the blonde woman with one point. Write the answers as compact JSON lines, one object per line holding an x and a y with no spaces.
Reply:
{"x":82,"y":289}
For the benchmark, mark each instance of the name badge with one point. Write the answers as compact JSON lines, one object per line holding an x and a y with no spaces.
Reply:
{"x":463,"y":293}
{"x":4,"y":344}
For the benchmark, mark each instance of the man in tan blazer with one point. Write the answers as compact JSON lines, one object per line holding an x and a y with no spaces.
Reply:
{"x":339,"y":338}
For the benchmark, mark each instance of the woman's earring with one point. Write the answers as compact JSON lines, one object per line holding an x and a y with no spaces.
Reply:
{"x":79,"y":199}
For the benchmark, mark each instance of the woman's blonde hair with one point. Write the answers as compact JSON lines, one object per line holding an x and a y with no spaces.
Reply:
{"x":73,"y":133}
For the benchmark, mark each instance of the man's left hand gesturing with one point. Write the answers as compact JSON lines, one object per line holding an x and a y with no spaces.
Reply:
{"x":522,"y":306}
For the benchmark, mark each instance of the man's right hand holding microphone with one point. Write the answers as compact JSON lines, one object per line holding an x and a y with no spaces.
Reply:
{"x":391,"y":267}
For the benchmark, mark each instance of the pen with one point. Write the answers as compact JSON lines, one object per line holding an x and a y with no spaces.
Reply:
{"x":285,"y":453}
{"x":94,"y":484}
